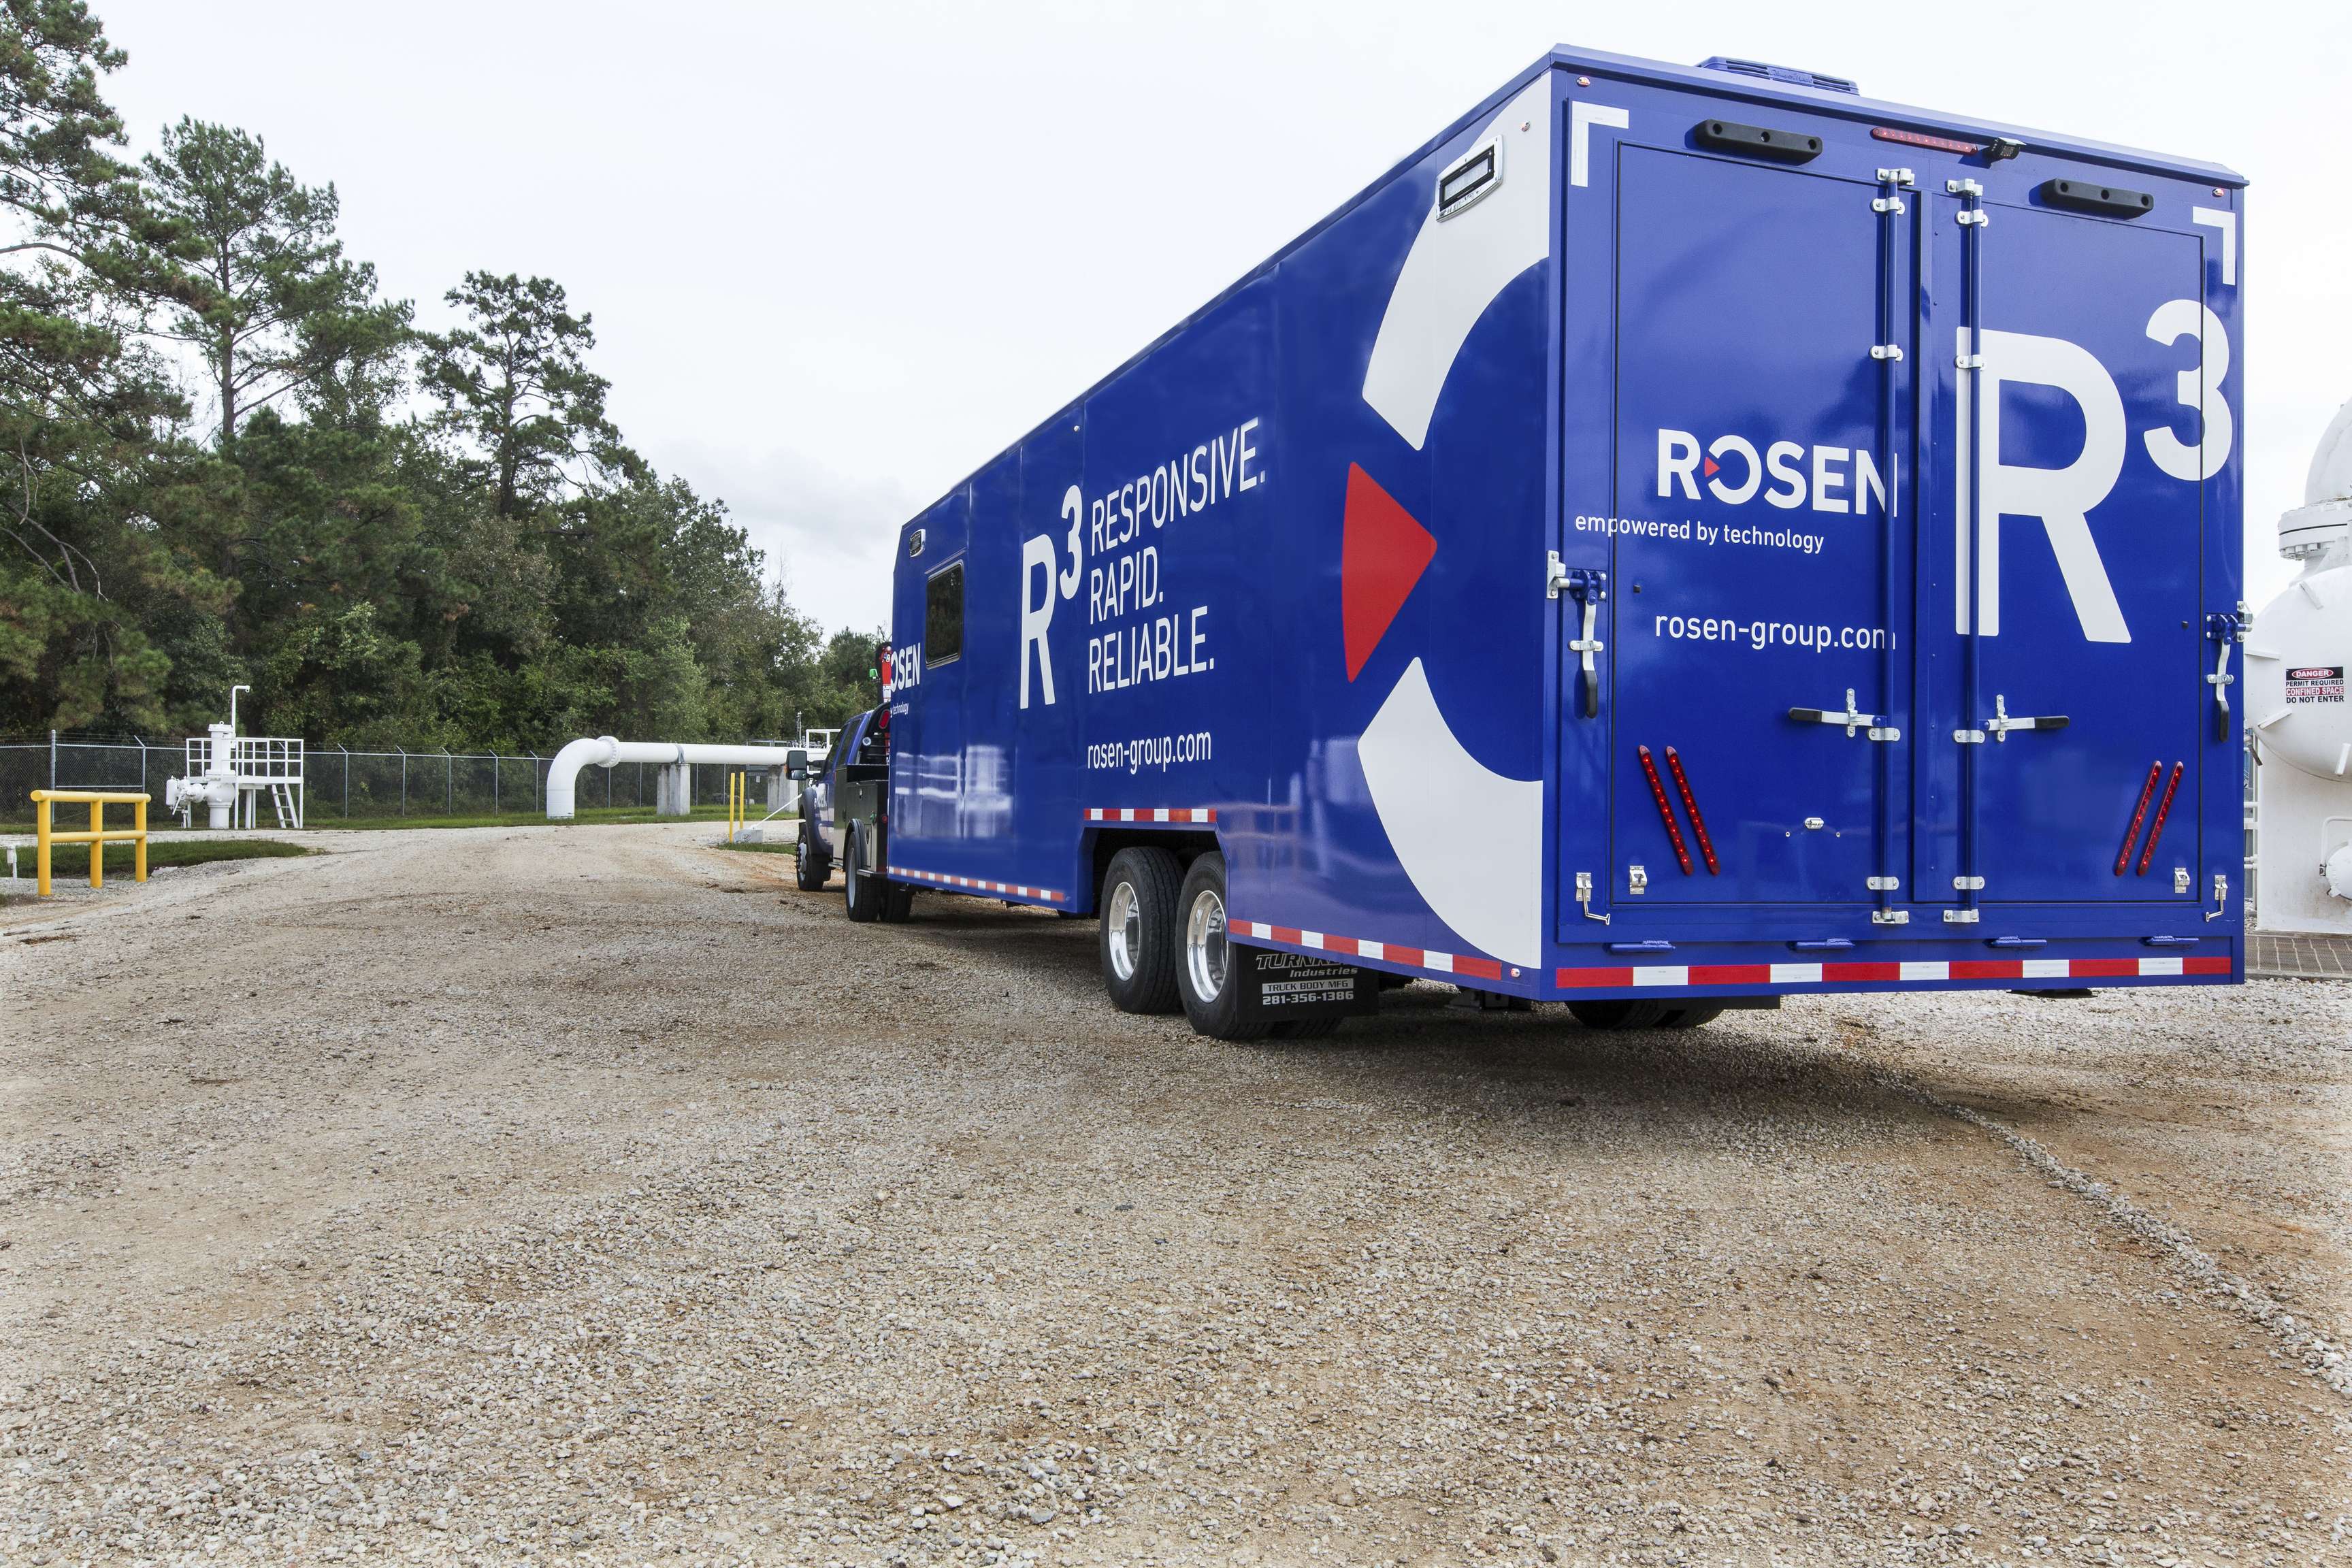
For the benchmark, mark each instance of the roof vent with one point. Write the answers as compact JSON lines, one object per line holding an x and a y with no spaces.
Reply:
{"x":1781,"y":73}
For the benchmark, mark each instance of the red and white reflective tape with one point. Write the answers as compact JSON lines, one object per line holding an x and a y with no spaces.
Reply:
{"x":1414,"y":957}
{"x":980,"y":885}
{"x":1151,"y":814}
{"x":1923,"y":971}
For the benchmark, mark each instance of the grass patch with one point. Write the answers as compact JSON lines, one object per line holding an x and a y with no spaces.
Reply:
{"x":73,"y":859}
{"x":323,"y":818}
{"x":598,"y":816}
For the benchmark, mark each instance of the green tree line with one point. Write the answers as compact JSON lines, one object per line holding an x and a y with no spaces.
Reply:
{"x":226,"y":457}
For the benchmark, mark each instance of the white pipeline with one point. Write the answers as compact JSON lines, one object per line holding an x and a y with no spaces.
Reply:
{"x":604,"y":752}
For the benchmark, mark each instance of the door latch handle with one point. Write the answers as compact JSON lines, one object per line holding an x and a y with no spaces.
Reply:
{"x":2002,"y":723}
{"x":2227,"y":629}
{"x":1852,"y":720}
{"x":1589,"y":589}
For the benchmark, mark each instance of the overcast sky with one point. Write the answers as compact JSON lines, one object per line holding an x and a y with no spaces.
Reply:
{"x":839,"y":255}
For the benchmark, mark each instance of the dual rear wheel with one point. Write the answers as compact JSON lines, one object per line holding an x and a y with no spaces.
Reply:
{"x":1164,"y":947}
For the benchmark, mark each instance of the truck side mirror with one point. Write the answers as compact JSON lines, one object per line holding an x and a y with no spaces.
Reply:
{"x":796,"y":763}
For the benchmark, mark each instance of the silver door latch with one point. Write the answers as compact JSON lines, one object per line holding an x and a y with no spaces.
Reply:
{"x":1584,"y":897}
{"x":1887,"y":351}
{"x":1851,"y":720}
{"x":1588,"y":588}
{"x":2228,"y":630}
{"x":2220,"y":897}
{"x":2000,"y":723}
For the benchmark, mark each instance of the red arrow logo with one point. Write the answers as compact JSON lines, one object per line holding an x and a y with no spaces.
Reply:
{"x":1383,"y":553}
{"x":1709,"y":470}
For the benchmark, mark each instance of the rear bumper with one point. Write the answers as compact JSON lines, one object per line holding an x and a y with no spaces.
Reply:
{"x":1714,"y":967}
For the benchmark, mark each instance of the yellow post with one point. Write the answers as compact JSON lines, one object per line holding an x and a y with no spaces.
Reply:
{"x":139,"y":851}
{"x":97,"y":844}
{"x":41,"y":834}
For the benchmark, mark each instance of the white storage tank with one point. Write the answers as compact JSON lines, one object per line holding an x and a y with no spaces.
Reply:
{"x":2298,"y":719}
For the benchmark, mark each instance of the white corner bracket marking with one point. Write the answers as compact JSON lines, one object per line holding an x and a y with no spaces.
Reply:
{"x":2227,"y":222}
{"x":1455,"y":269}
{"x":1582,"y":117}
{"x":1470,"y":840}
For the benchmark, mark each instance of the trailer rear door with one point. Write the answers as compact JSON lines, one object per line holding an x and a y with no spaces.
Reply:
{"x":2062,"y":571}
{"x":1760,"y":454}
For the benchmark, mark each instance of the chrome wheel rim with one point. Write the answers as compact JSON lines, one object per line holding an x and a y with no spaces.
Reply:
{"x":1204,"y":944}
{"x":1125,"y":924}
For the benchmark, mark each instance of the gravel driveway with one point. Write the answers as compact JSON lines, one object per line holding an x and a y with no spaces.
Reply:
{"x":589,"y":1195}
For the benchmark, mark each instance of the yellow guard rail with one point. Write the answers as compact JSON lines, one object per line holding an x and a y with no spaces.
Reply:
{"x":738,"y":808}
{"x":99,"y":836}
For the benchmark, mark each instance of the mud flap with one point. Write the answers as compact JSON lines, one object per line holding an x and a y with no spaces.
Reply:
{"x":1275,"y":987}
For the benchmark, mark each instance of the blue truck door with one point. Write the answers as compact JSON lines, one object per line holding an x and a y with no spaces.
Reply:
{"x":1762,"y":475}
{"x":2065,"y":702}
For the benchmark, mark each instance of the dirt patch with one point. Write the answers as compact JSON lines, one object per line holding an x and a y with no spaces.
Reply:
{"x":536,"y":1194}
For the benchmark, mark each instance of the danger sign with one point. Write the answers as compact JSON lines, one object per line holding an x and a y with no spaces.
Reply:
{"x":2316,"y":683}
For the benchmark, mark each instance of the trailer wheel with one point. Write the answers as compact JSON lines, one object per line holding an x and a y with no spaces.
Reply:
{"x":1690,"y":1017}
{"x":1621,"y":1015}
{"x":1136,"y":938}
{"x":861,"y":887}
{"x":811,"y":857}
{"x":1203,"y":977}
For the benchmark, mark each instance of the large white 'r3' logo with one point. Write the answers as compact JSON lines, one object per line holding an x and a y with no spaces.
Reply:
{"x":2064,"y":498}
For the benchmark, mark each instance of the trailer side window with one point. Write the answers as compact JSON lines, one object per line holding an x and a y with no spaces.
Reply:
{"x":943,"y":615}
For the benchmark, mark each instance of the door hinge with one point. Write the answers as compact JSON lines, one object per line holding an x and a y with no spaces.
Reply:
{"x":1882,"y":884}
{"x":1584,"y":897}
{"x":1885,"y":351}
{"x":1890,"y":917}
{"x":1959,"y":917}
{"x":1967,"y":884}
{"x":1969,"y":361}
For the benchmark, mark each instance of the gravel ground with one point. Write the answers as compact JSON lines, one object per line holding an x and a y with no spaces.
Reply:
{"x":589,"y":1195}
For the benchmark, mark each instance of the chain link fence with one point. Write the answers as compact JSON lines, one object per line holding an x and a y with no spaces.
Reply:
{"x":339,"y":784}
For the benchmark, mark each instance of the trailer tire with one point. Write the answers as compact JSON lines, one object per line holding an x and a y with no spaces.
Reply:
{"x":1691,"y":1017}
{"x":1203,"y":973}
{"x":811,"y":857}
{"x":1619,"y":1016}
{"x":1136,"y":938}
{"x":862,"y":888}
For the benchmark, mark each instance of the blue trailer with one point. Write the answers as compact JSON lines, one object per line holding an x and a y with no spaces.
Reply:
{"x":1683,"y":536}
